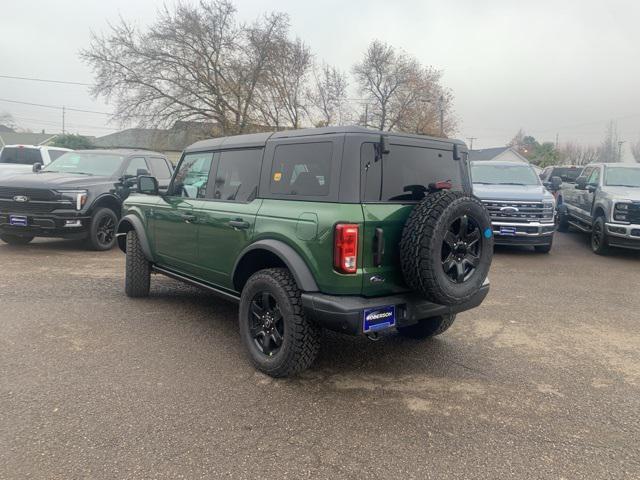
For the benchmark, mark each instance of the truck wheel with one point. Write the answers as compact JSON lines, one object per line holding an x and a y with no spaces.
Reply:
{"x":599,"y":241}
{"x":544,"y":248}
{"x":428,"y":327}
{"x":102,"y":231}
{"x":137,"y":278}
{"x":447,"y":247}
{"x":15,"y":239}
{"x":280,"y":340}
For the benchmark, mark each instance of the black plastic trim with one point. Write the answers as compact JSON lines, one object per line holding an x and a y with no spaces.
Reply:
{"x":294,"y":262}
{"x":233,"y":297}
{"x":132,"y":222}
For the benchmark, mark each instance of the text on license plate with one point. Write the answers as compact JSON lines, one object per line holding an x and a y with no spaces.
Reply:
{"x":18,"y":220}
{"x":507,"y":230}
{"x":380,"y":318}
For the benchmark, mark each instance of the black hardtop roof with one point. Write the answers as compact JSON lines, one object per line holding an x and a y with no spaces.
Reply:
{"x":254,"y":140}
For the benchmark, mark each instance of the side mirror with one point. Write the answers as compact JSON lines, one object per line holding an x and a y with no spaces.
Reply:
{"x":147,"y":185}
{"x":142,"y":171}
{"x":581,"y":183}
{"x":556,"y":183}
{"x":36,"y":167}
{"x":592,"y":188}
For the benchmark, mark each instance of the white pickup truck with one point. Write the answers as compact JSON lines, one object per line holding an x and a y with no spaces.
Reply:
{"x":21,"y":158}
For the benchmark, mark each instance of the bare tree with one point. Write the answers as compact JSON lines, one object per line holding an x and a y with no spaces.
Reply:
{"x":576,"y":154}
{"x":401,"y":94}
{"x":7,"y":120}
{"x":283,"y":95}
{"x":328,"y":96}
{"x":610,"y":149}
{"x":196,"y":62}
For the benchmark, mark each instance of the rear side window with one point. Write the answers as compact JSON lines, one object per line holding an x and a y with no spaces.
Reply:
{"x":136,"y":164}
{"x":404,"y":174}
{"x":237,"y":175}
{"x":159,"y":167}
{"x":21,"y":156}
{"x":302,"y":169}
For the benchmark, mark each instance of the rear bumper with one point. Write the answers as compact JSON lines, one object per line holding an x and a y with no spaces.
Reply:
{"x":623,"y":236}
{"x":47,"y":225}
{"x":532,"y":234}
{"x":345,"y":314}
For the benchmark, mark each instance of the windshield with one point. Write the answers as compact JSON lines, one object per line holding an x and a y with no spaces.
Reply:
{"x":86,"y":163}
{"x":567,"y":174}
{"x":20,"y":155}
{"x":623,"y":177}
{"x":489,"y":174}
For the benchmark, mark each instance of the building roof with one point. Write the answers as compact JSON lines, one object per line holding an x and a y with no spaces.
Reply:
{"x":174,"y":139}
{"x":14,"y":138}
{"x":493,"y":153}
{"x":4,"y":128}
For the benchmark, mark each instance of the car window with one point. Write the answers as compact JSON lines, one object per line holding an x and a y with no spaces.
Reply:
{"x":54,"y":154}
{"x":237,"y":175}
{"x":594,"y":178}
{"x":193,"y":174}
{"x":302,"y":169}
{"x":20,"y":155}
{"x":490,"y":173}
{"x":159,"y":168}
{"x":86,"y":163}
{"x":404,"y":174}
{"x":135,"y":164}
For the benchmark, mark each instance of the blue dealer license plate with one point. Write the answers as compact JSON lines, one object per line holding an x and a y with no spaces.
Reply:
{"x":381,"y":318}
{"x":508,"y":231}
{"x":18,"y":220}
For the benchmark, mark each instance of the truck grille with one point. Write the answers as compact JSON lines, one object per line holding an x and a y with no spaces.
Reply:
{"x":519,"y":212}
{"x":7,"y":193}
{"x":37,"y":200}
{"x":634,"y":213}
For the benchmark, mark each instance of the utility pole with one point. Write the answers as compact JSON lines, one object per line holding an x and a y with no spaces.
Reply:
{"x":556,"y":141}
{"x":441,"y":104}
{"x":471,"y":139}
{"x":63,"y":114}
{"x":620,"y":150}
{"x":366,"y":114}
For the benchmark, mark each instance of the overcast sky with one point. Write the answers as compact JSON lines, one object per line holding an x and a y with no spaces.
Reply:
{"x":564,"y":67}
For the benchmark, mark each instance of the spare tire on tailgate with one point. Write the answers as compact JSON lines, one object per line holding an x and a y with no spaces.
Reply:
{"x":446,"y":247}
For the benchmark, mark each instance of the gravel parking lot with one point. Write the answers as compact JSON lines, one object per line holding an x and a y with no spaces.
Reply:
{"x":542,"y":381}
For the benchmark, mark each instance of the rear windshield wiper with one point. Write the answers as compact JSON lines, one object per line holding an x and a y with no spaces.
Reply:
{"x":513,"y":183}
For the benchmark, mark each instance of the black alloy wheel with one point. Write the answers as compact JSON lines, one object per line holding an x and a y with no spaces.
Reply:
{"x":266,"y":323}
{"x":106,"y":230}
{"x":461,"y":249}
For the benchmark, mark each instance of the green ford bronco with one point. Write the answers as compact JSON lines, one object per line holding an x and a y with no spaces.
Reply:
{"x":346,"y":228}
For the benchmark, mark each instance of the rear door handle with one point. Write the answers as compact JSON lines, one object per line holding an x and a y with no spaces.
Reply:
{"x":239,"y":223}
{"x":188,"y":218}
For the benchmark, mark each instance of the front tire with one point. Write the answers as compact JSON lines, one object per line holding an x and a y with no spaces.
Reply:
{"x":563,"y":222}
{"x":279,"y":338}
{"x":15,"y":239}
{"x":599,"y":241}
{"x":102,"y":231}
{"x":428,"y":327}
{"x":137,"y":278}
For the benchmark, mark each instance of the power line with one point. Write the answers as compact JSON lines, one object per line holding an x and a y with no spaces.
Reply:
{"x":57,"y":107}
{"x":63,"y":82}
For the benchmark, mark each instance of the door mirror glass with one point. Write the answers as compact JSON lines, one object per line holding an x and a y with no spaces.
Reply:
{"x":37,"y":167}
{"x":147,"y":185}
{"x":555,"y":183}
{"x":581,"y":183}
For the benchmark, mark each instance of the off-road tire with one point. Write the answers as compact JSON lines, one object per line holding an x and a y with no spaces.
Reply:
{"x":543,"y":248}
{"x":15,"y":239}
{"x":428,"y":327}
{"x":93,"y":240}
{"x":301,"y":337}
{"x":601,"y":246}
{"x":422,"y":240}
{"x":137,"y":277}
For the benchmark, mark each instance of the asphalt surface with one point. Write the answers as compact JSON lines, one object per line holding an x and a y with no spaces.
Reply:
{"x":542,"y":381}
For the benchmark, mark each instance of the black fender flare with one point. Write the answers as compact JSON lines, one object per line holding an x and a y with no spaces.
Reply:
{"x":128,"y":223}
{"x":292,"y":259}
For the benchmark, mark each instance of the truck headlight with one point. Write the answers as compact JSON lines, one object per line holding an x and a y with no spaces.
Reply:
{"x":77,"y":197}
{"x":548,"y":211}
{"x":620,"y":212}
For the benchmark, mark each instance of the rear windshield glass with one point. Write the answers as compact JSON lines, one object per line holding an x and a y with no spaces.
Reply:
{"x":83,"y":163}
{"x":404,"y":174}
{"x":503,"y":174}
{"x":567,"y":174}
{"x":20,"y":155}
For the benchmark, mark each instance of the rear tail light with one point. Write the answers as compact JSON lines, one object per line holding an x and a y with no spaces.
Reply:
{"x":345,"y":253}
